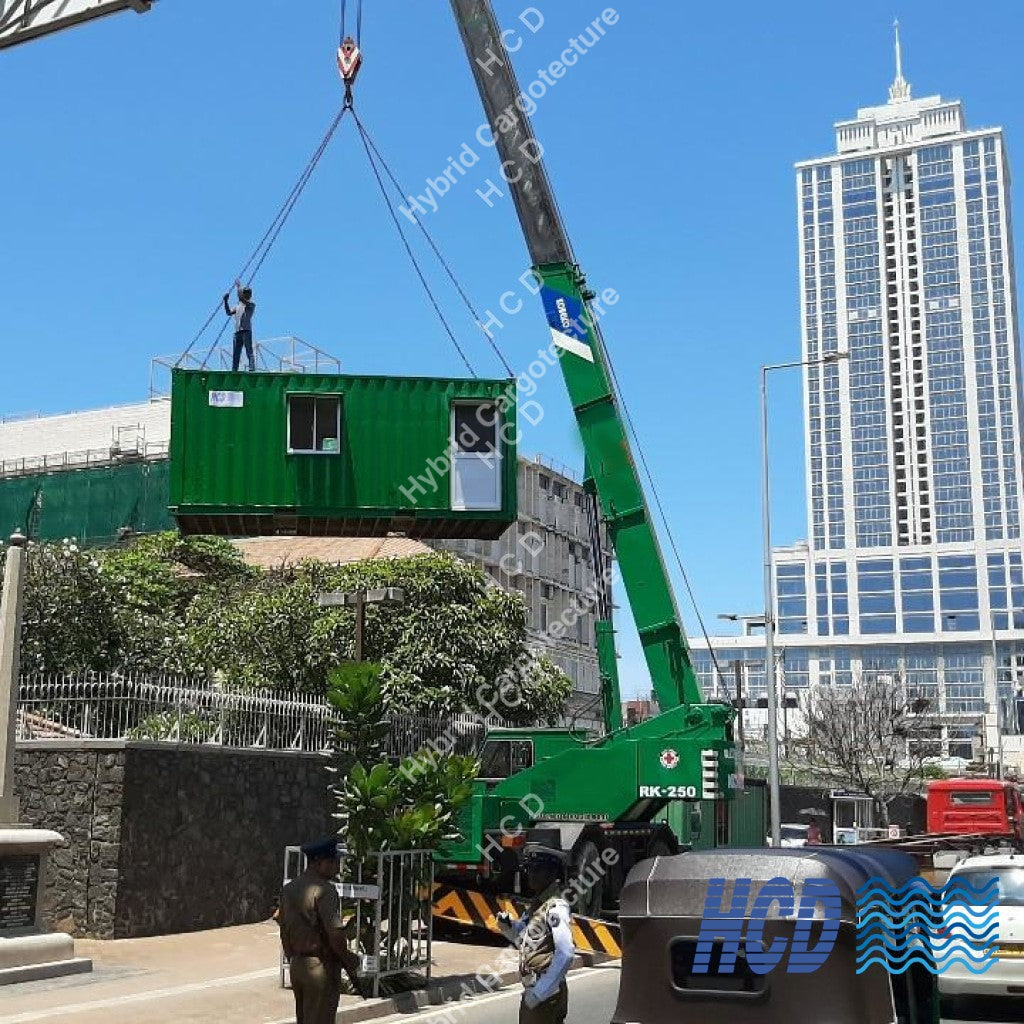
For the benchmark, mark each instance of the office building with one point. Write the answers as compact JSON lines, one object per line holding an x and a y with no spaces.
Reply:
{"x":912,"y":567}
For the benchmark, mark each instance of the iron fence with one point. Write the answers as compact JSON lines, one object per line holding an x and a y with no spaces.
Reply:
{"x":166,"y":709}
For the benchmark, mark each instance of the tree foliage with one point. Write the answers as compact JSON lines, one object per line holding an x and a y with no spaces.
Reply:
{"x":381,"y":805}
{"x":384,"y":807}
{"x":870,"y":736}
{"x":191,"y":606}
{"x":70,"y":623}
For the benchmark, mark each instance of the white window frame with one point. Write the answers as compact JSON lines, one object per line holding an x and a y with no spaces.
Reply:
{"x":288,"y":415}
{"x":498,"y":454}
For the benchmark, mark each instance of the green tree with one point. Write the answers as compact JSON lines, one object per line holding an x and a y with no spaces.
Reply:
{"x":70,"y":623}
{"x":381,"y":805}
{"x":455,"y":643}
{"x":153,"y":583}
{"x":191,"y":606}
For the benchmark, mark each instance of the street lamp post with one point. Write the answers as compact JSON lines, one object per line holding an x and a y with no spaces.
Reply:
{"x":359,"y":599}
{"x":737,"y":666}
{"x":999,"y":701}
{"x":769,"y":593}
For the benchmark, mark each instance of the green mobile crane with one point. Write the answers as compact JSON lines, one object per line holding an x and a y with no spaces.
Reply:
{"x":562,"y":786}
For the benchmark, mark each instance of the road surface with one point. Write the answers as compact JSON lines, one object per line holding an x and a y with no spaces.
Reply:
{"x":592,"y":997}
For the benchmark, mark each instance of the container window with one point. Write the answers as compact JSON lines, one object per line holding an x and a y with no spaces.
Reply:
{"x":476,"y":428}
{"x":314,"y":424}
{"x":476,"y":475}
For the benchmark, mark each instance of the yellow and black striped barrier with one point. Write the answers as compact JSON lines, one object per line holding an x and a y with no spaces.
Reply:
{"x":479,"y":910}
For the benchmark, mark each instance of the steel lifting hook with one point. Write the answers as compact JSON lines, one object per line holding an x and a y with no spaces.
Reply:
{"x":350,"y":60}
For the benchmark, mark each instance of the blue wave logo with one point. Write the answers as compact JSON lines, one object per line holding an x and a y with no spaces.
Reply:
{"x":935,"y":928}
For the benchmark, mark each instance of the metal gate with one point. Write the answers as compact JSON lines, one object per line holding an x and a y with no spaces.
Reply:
{"x":387,"y":903}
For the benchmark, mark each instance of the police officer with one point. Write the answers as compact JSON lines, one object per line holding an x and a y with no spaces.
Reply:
{"x":544,"y":938}
{"x":313,"y":936}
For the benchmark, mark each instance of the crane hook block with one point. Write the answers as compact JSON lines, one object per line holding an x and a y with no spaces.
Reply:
{"x":350,"y":60}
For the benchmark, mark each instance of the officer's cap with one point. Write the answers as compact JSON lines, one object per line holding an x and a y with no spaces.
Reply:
{"x":537,"y":855}
{"x":323,"y":849}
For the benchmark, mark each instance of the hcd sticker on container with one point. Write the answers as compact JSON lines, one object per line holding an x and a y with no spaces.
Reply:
{"x":227,"y":399}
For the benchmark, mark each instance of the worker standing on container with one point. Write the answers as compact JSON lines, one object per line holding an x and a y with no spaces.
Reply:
{"x":543,"y":936}
{"x":243,"y":324}
{"x":313,"y":936}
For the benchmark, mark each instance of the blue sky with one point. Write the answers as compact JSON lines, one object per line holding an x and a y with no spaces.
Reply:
{"x":145,"y":156}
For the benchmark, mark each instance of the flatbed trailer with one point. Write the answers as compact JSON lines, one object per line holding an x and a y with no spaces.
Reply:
{"x":937,"y":853}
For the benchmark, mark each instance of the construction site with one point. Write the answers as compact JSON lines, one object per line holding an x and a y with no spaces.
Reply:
{"x":285,"y":617}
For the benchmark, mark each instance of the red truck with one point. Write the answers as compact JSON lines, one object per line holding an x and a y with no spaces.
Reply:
{"x":976,"y":807}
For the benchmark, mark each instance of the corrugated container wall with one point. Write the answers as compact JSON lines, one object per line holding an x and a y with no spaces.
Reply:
{"x":323,"y":454}
{"x":744,"y":825}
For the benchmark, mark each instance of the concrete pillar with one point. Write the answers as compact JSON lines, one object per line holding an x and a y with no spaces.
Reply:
{"x":10,"y":672}
{"x":27,"y":951}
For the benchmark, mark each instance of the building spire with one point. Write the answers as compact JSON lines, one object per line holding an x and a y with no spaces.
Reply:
{"x":900,"y":88}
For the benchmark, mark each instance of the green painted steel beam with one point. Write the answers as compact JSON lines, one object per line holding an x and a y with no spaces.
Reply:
{"x":576,"y":342}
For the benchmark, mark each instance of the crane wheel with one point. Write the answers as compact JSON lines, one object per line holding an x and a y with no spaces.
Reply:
{"x":588,"y":879}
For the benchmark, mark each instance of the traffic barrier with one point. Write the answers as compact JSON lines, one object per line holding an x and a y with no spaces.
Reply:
{"x":480,"y":910}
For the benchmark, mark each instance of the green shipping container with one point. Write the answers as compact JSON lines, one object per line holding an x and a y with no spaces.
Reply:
{"x":258,"y":454}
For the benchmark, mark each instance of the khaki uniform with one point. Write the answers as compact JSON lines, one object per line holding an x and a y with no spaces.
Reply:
{"x":312,"y":934}
{"x":537,"y":947}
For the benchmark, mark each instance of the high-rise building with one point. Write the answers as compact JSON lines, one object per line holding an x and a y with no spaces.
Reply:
{"x":913,"y":449}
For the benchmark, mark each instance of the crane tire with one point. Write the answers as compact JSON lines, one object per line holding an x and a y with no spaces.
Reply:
{"x":588,"y":875}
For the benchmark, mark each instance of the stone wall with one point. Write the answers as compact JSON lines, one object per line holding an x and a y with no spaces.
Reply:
{"x":76,"y":792}
{"x":163,"y":839}
{"x":204,"y":834}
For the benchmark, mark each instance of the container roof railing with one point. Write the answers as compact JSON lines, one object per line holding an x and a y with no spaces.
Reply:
{"x":284,"y":354}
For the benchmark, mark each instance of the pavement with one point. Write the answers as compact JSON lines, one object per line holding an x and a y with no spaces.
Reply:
{"x":231,"y":976}
{"x":592,"y":997}
{"x":227,"y":976}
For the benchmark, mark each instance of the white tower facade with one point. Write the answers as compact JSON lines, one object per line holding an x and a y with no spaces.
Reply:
{"x":913,"y":563}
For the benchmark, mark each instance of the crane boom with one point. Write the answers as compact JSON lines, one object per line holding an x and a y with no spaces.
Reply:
{"x":23,"y":20}
{"x":577,"y":341}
